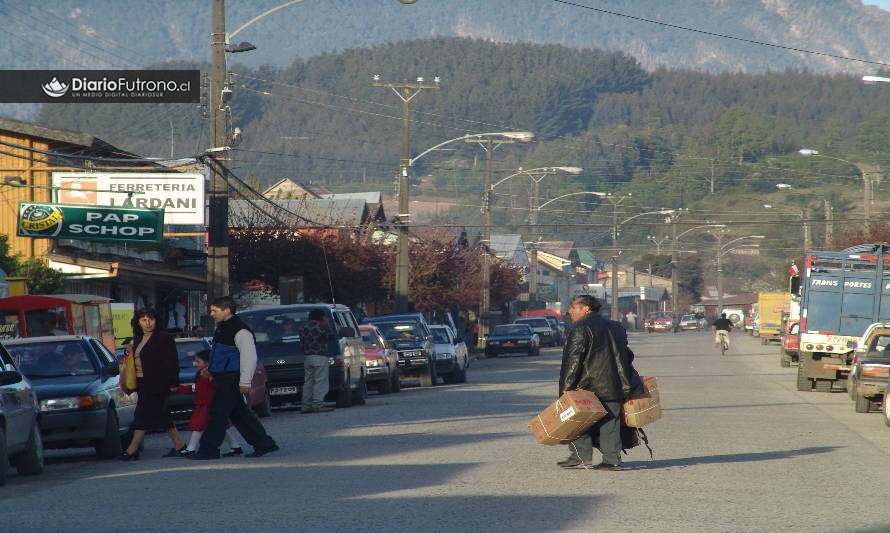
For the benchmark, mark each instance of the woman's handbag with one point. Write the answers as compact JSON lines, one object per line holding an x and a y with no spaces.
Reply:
{"x":128,"y":373}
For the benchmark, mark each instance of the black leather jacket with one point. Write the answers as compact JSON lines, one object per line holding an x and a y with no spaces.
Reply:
{"x":592,"y":361}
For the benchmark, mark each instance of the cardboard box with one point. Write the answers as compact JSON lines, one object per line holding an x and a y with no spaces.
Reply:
{"x":567,"y":418}
{"x":643,"y":407}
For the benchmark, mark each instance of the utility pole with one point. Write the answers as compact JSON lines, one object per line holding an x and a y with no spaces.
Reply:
{"x":218,"y":205}
{"x":675,"y":274}
{"x":405,"y":91}
{"x":616,"y":201}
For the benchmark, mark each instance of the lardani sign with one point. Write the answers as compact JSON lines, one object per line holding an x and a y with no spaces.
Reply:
{"x":180,"y":195}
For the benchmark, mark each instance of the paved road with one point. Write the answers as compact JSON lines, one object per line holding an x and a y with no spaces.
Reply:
{"x":739,"y":450}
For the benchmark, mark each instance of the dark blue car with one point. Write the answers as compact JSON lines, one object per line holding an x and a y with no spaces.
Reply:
{"x":512,"y":338}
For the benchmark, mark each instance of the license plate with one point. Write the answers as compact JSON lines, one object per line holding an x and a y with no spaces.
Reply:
{"x":508,"y":344}
{"x":279,"y":391}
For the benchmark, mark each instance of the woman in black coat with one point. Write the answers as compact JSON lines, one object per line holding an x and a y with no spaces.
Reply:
{"x":157,"y":373}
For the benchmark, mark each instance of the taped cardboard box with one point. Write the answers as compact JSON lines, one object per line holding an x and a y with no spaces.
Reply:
{"x":643,"y":407}
{"x":567,"y":418}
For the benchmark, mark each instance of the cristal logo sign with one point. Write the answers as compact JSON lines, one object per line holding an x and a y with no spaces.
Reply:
{"x":55,"y":88}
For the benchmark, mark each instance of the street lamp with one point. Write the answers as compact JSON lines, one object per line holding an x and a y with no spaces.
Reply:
{"x":489,"y":141}
{"x":722,"y":249}
{"x":658,"y":242}
{"x":536,"y":175}
{"x":866,"y":183}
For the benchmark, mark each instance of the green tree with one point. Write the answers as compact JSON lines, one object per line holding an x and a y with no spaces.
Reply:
{"x":41,"y":278}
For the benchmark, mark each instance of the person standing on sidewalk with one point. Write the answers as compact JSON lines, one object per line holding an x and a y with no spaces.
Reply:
{"x":315,"y":337}
{"x":233,"y":361}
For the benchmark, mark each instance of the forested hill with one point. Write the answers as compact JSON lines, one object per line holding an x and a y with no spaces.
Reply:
{"x":94,"y":34}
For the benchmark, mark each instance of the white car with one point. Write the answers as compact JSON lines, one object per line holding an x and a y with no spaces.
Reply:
{"x":450,"y":354}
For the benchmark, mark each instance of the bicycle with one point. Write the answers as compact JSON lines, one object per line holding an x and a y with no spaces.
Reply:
{"x":724,"y":345}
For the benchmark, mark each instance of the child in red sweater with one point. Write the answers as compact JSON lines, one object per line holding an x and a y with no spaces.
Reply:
{"x":204,"y":389}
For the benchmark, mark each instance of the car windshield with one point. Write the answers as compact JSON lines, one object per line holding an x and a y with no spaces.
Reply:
{"x":399,"y":331}
{"x":440,"y":336}
{"x":53,"y":359}
{"x":534,"y":322}
{"x":187,"y":351}
{"x":276,"y":326}
{"x":511,"y":330}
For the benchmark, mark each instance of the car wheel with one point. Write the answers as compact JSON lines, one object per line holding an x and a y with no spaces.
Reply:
{"x":109,"y":446}
{"x":863,"y":404}
{"x":396,"y":381}
{"x":264,"y":410}
{"x":385,"y":386}
{"x":4,"y":459}
{"x":360,"y":394}
{"x":30,"y":461}
{"x":428,"y":378}
{"x":885,"y":410}
{"x":344,"y":395}
{"x":462,"y":375}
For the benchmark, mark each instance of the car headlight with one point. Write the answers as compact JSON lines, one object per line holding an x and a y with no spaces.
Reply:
{"x":373,"y":362}
{"x":99,"y":401}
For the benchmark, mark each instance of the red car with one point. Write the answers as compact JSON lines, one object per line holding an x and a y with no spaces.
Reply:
{"x":790,"y":343}
{"x":381,"y":361}
{"x":659,"y":321}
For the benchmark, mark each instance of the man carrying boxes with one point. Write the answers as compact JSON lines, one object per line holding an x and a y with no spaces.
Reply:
{"x":593,"y":360}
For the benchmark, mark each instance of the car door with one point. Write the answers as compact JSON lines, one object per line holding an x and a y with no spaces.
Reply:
{"x":17,"y":406}
{"x":125,"y":404}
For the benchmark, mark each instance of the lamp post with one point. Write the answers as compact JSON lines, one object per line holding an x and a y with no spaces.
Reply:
{"x":723,"y":250}
{"x":866,"y":183}
{"x":658,"y":242}
{"x":675,"y":274}
{"x":536,"y":175}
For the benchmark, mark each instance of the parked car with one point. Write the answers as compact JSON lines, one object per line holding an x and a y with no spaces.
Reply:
{"x":558,"y":329}
{"x":512,"y":338}
{"x":410,"y":335}
{"x":451,"y":354}
{"x":691,"y":322}
{"x":381,"y":361}
{"x":20,"y":442}
{"x":276,"y":330}
{"x":659,"y":321}
{"x":790,"y":344}
{"x":867,"y":381}
{"x":182,"y":402}
{"x":542,"y":327}
{"x":76,"y":379}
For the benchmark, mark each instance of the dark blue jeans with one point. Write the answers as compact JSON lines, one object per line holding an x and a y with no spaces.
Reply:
{"x":228,"y":404}
{"x":607,"y":431}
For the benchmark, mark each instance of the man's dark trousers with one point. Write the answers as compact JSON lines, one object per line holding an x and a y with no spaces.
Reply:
{"x":608,"y":429}
{"x":228,"y":404}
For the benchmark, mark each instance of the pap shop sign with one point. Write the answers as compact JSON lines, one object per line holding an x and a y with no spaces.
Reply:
{"x":90,"y":223}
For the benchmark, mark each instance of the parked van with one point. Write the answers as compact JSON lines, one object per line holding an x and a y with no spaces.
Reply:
{"x":276,"y":330}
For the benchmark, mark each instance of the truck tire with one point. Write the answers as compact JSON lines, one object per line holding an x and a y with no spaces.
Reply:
{"x":863,"y":404}
{"x":360,"y":394}
{"x":823,"y":385}
{"x":385,"y":386}
{"x":803,"y":383}
{"x":344,"y":395}
{"x":784,"y":359}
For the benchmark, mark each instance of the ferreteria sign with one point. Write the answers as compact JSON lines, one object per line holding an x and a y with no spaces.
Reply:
{"x":179,"y":194}
{"x":90,"y":223}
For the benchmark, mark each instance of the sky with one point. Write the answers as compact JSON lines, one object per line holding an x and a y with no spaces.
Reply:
{"x":883,"y":4}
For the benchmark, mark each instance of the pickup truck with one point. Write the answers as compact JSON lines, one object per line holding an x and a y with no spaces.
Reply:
{"x":867,"y":382}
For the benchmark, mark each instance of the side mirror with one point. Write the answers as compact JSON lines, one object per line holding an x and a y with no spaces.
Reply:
{"x":112,"y":369}
{"x":458,"y":340}
{"x":346,"y":331}
{"x":10,"y":377}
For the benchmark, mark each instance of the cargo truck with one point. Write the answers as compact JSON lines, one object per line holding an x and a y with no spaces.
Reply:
{"x":842,"y":294}
{"x":772,"y":306}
